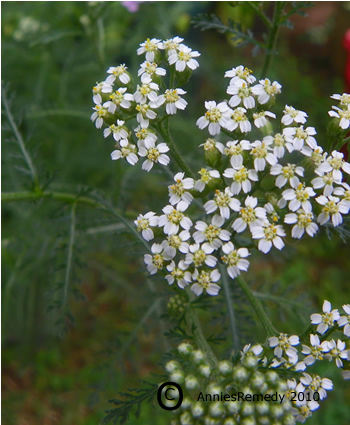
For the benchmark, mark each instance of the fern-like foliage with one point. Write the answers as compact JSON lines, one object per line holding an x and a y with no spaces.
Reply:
{"x":242,"y":37}
{"x":238,"y":35}
{"x":130,"y":403}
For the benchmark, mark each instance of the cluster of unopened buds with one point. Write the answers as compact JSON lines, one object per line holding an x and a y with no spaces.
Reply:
{"x":255,"y":181}
{"x":273,"y":377}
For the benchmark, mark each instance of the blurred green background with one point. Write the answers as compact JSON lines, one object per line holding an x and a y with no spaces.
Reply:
{"x":62,"y":362}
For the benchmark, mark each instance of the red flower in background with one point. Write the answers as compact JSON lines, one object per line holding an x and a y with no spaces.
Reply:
{"x":347,"y":66}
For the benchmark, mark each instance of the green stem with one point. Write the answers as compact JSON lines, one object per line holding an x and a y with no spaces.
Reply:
{"x":259,"y":310}
{"x":230,"y":310}
{"x":271,"y":44}
{"x":19,"y":138}
{"x":165,"y":133}
{"x":197,"y":331}
{"x":260,"y":13}
{"x":69,"y":255}
{"x":200,"y":339}
{"x":72,"y":198}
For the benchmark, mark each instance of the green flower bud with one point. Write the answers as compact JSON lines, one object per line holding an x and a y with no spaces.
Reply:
{"x":191,"y":382}
{"x":185,"y":348}
{"x":197,"y":356}
{"x":205,"y":370}
{"x":216,"y":409}
{"x":212,"y":154}
{"x":225,"y":367}
{"x":197,"y":409}
{"x":240,"y":373}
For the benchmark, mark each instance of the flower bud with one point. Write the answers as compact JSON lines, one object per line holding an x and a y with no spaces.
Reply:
{"x":212,"y":154}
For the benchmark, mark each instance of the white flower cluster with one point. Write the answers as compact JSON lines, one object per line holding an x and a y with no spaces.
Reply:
{"x":342,"y":113}
{"x":257,"y":182}
{"x":307,"y":191}
{"x":205,"y":388}
{"x":117,"y":101}
{"x":287,"y":355}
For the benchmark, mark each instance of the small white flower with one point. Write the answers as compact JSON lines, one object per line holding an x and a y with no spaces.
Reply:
{"x":173,"y":101}
{"x":183,"y":57}
{"x":270,"y":209}
{"x":97,"y":116}
{"x":145,"y":92}
{"x":172,"y":219}
{"x":238,"y":119}
{"x":317,"y":156}
{"x":255,"y":350}
{"x":316,"y":351}
{"x":145,"y":113}
{"x":150,"y":47}
{"x":250,"y":216}
{"x":205,"y":281}
{"x":212,"y":233}
{"x":118,"y":131}
{"x":304,"y":410}
{"x":106,"y":88}
{"x":96,"y":93}
{"x":260,"y":119}
{"x":326,"y":181}
{"x":144,"y":135}
{"x":242,"y":178}
{"x":343,"y":115}
{"x":265,"y":90}
{"x":343,"y":192}
{"x":148,"y":70}
{"x":317,"y":384}
{"x":200,"y":255}
{"x":261,"y":152}
{"x":345,"y":320}
{"x":127,"y":151}
{"x":178,"y":191}
{"x":344,"y":98}
{"x":178,"y":274}
{"x":223,"y":201}
{"x":280,"y":144}
{"x":172,"y":44}
{"x":206,"y":177}
{"x":240,"y":73}
{"x":234,"y":150}
{"x":337,"y":351}
{"x":269,"y":234}
{"x":332,"y":208}
{"x":144,"y":224}
{"x":240,"y":93}
{"x":175,"y":243}
{"x":292,"y":115}
{"x":287,"y":173}
{"x":290,"y":363}
{"x":119,"y":98}
{"x":235,"y":259}
{"x":304,"y":222}
{"x":215,"y":117}
{"x":334,"y":163}
{"x":284,"y":343}
{"x":299,"y":197}
{"x":212,"y":145}
{"x":155,"y":261}
{"x":299,"y":136}
{"x":326,"y":320}
{"x":119,"y":72}
{"x":154,"y":154}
